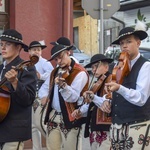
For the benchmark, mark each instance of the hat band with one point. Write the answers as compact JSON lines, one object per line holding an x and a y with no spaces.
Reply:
{"x":128,"y":33}
{"x":35,"y":45}
{"x":11,"y":37}
{"x":56,"y":43}
{"x":58,"y":52}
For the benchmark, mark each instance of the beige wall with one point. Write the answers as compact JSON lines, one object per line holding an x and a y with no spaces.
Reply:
{"x":88,"y":34}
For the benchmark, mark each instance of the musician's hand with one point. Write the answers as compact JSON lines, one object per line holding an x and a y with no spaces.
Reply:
{"x":113,"y":86}
{"x":106,"y":106}
{"x":60,"y":82}
{"x":43,"y":101}
{"x":76,"y":114}
{"x":88,"y":96}
{"x":11,"y":75}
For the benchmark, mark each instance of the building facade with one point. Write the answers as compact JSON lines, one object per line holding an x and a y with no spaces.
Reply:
{"x":38,"y":20}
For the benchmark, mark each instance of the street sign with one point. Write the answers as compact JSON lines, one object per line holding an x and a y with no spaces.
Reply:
{"x":93,"y":8}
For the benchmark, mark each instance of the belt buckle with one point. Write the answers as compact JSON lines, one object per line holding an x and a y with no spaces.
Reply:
{"x":57,"y":113}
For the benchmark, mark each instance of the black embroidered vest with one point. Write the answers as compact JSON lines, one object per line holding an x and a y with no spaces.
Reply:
{"x":122,"y":110}
{"x":91,"y":120}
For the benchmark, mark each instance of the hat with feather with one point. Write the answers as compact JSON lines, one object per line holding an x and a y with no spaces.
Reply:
{"x":139,"y":31}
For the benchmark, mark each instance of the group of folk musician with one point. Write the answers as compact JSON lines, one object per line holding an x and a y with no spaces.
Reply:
{"x":115,"y":112}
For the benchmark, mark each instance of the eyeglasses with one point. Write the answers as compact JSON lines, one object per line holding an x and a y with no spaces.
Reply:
{"x":7,"y":44}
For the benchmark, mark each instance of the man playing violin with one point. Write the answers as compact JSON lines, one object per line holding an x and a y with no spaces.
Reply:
{"x":99,"y":135}
{"x":66,"y":42}
{"x":131,"y":99}
{"x":15,"y":128}
{"x":67,"y":83}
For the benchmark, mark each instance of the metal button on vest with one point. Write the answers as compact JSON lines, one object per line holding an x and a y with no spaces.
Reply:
{"x":115,"y":105}
{"x":115,"y":115}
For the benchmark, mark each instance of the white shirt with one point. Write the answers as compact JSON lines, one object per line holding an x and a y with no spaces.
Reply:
{"x":139,"y":95}
{"x":97,"y":100}
{"x":44,"y":67}
{"x":69,"y":93}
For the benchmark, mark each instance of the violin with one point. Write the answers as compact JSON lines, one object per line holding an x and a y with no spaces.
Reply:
{"x":107,"y":90}
{"x":63,"y":72}
{"x":103,"y":117}
{"x":118,"y":74}
{"x":96,"y":86}
{"x":122,"y":69}
{"x":4,"y":92}
{"x":22,"y":66}
{"x":70,"y":107}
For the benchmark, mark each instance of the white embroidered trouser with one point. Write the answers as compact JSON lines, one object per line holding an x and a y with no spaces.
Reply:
{"x":130,"y":137}
{"x":59,"y":138}
{"x":99,"y":141}
{"x":13,"y":146}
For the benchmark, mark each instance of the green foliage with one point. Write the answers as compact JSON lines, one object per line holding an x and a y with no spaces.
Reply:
{"x":148,"y":25}
{"x":141,"y":16}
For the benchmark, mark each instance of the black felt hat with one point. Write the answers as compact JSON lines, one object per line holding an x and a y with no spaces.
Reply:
{"x":130,"y":31}
{"x":13,"y":36}
{"x":36,"y":44}
{"x":98,"y":57}
{"x":63,"y":41}
{"x":58,"y":49}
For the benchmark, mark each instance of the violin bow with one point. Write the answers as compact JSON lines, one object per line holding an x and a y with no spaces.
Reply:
{"x":89,"y":85}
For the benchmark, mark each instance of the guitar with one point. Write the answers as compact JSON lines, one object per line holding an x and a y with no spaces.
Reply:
{"x":4,"y":92}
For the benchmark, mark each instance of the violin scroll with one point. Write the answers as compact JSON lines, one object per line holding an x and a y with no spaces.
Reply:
{"x":33,"y":60}
{"x":63,"y":73}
